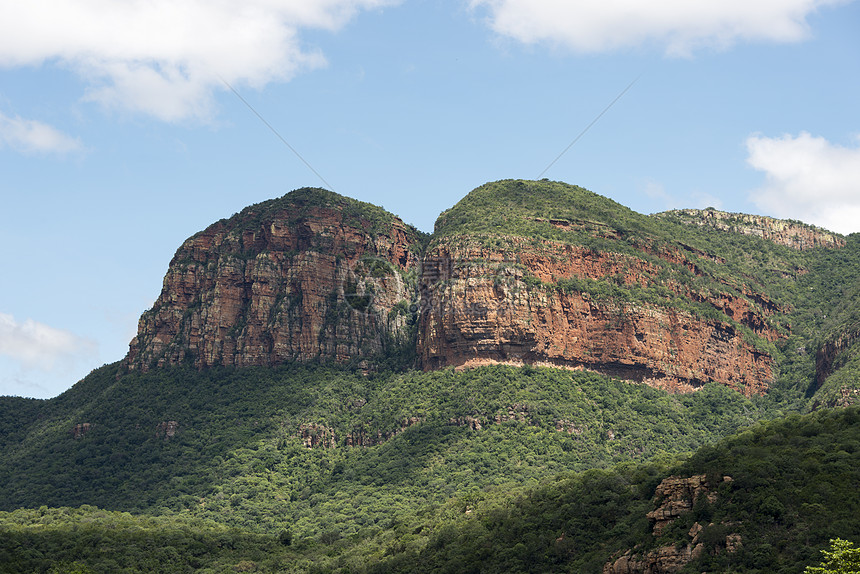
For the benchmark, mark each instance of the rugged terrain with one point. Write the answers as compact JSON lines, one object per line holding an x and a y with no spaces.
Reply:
{"x":558,"y":278}
{"x":313,"y":276}
{"x":538,"y":273}
{"x":321,"y":387}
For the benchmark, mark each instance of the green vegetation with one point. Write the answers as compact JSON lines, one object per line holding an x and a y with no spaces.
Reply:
{"x":525,"y":208}
{"x":297,"y":205}
{"x":841,"y":558}
{"x":237,"y":455}
{"x":793,"y":489}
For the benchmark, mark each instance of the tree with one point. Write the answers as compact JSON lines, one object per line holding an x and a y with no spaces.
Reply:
{"x":71,"y":568}
{"x":842,"y":558}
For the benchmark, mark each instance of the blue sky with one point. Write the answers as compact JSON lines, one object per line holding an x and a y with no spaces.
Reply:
{"x":119,"y":138}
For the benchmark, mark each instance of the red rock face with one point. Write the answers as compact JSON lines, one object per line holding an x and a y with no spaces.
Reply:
{"x":314,"y":277}
{"x":503,"y":304}
{"x":301,"y":283}
{"x":826,"y":356}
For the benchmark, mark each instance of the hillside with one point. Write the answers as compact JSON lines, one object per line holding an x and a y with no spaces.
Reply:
{"x":321,"y":387}
{"x":765,"y":500}
{"x":546,"y":273}
{"x":254,"y":447}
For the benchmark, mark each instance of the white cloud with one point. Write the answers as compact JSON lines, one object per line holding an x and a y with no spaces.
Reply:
{"x":678,"y":26}
{"x":808,"y":178}
{"x":165,"y":57}
{"x":38,"y":346}
{"x":32,"y":136}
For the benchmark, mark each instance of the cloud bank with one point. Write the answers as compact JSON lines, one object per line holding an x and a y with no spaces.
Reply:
{"x":808,"y":178}
{"x":30,"y":136}
{"x":165,"y":57}
{"x":35,"y":345}
{"x":677,"y":26}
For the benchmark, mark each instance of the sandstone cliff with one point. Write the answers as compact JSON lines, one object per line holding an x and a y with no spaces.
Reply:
{"x":827,"y":354}
{"x":518,"y":272}
{"x":578,"y":292}
{"x":780,"y":231}
{"x":312,"y":275}
{"x":482,"y":305}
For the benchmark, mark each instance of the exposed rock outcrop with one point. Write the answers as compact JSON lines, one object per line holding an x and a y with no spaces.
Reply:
{"x":80,"y":429}
{"x":674,"y":497}
{"x":316,"y":276}
{"x":312,"y":275}
{"x":166,"y":430}
{"x":315,"y":435}
{"x":364,"y":437}
{"x":826,"y":356}
{"x":780,"y":231}
{"x":663,"y":560}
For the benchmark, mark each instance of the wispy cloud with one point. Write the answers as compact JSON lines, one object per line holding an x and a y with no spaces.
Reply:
{"x":31,"y":136}
{"x":164,"y":57}
{"x":676,"y":26}
{"x":35,"y":345}
{"x":808,"y":178}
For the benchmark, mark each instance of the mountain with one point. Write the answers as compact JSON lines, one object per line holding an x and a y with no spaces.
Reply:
{"x":321,"y":387}
{"x":518,"y":272}
{"x":547,"y":273}
{"x":284,"y":280}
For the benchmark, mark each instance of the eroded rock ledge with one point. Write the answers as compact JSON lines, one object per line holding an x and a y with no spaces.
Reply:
{"x":782,"y":232}
{"x":509,"y":304}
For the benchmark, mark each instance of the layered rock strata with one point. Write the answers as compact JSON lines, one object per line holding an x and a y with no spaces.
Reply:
{"x":316,"y":276}
{"x":310,"y":276}
{"x":517,"y":301}
{"x":780,"y":231}
{"x":675,"y":496}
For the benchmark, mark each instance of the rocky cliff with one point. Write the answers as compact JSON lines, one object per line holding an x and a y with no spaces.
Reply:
{"x":312,"y":275}
{"x":517,"y":272}
{"x":792,"y":234}
{"x":828,"y":354}
{"x":674,"y":497}
{"x":583,"y":293}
